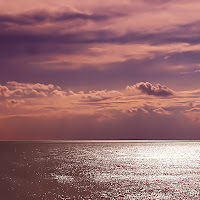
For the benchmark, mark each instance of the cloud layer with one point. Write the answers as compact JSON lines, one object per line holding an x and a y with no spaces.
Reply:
{"x":100,"y":66}
{"x":141,"y":103}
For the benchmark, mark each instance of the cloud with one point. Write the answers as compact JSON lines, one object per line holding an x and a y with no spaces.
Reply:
{"x":29,"y":86}
{"x":95,"y":96}
{"x":87,"y":45}
{"x":58,"y":93}
{"x":124,"y":126}
{"x":190,"y":93}
{"x":14,"y":101}
{"x":47,"y":99}
{"x":34,"y":93}
{"x":149,"y":89}
{"x":40,"y":17}
{"x":196,"y":109}
{"x":29,"y":90}
{"x":160,"y":111}
{"x":136,"y":110}
{"x":88,"y":27}
{"x":68,"y":39}
{"x":4,"y":91}
{"x":101,"y":108}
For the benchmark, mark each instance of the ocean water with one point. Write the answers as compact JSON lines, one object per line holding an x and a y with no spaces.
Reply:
{"x":100,"y":170}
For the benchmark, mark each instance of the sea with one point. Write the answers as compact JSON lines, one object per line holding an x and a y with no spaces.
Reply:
{"x":61,"y":170}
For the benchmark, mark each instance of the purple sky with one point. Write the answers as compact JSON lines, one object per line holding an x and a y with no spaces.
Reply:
{"x":99,"y":69}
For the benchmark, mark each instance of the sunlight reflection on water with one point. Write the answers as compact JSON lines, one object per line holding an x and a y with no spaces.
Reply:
{"x":134,"y":170}
{"x":161,"y":170}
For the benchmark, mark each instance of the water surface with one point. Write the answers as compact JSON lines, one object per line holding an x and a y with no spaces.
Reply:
{"x":100,"y":170}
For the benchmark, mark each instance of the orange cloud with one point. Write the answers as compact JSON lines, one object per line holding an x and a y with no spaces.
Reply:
{"x":36,"y":100}
{"x":148,"y":88}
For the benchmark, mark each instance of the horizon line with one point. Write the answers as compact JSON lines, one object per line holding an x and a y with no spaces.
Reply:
{"x":102,"y":141}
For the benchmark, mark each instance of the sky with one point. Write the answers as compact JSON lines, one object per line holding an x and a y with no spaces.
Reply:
{"x":104,"y":69}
